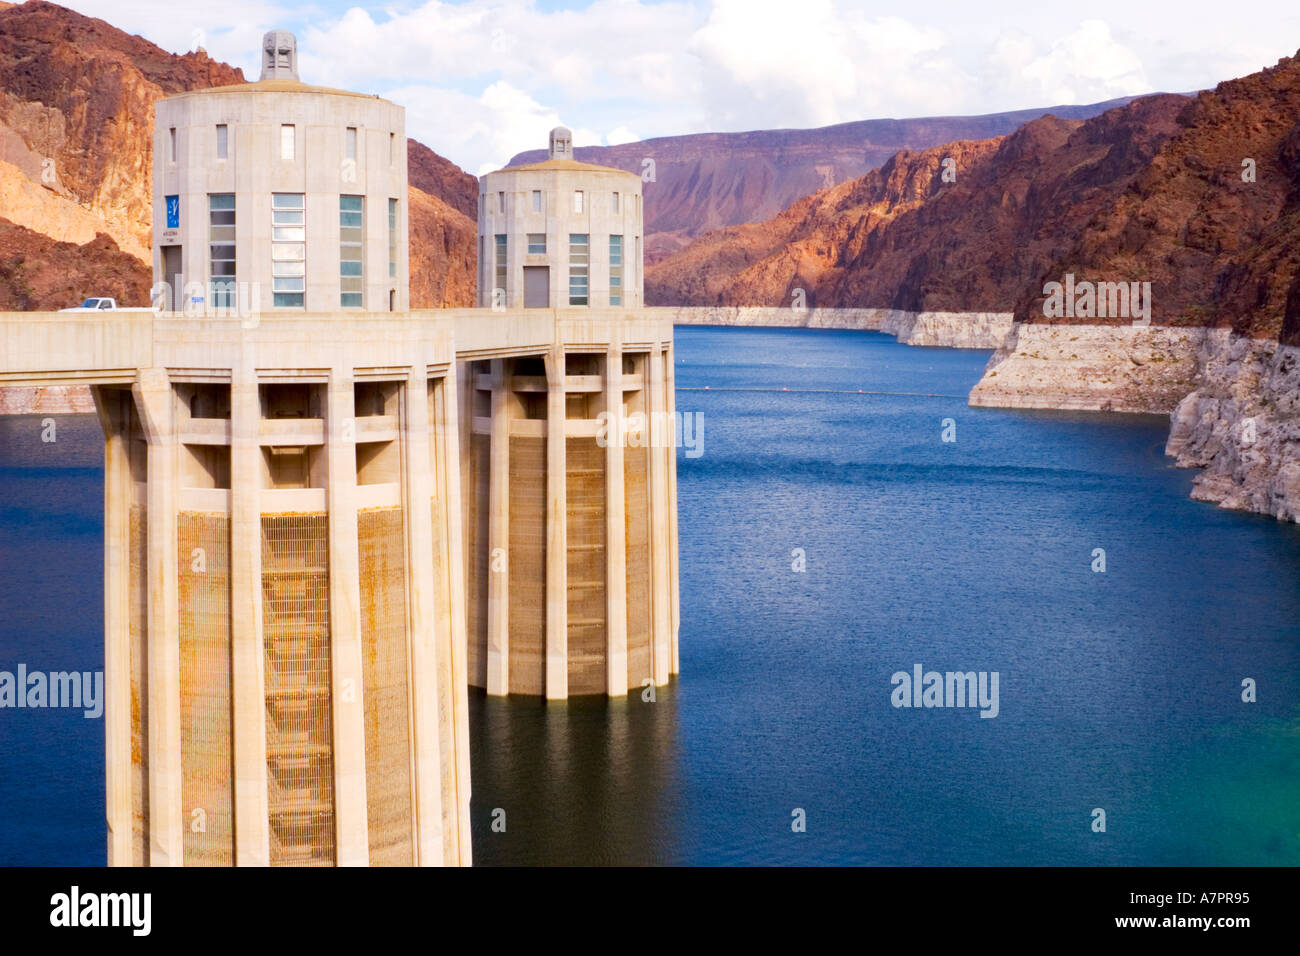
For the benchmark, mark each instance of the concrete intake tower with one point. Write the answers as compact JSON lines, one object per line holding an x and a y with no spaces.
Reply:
{"x":327,"y":515}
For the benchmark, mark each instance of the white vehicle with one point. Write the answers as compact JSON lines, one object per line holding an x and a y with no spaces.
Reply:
{"x":103,"y":304}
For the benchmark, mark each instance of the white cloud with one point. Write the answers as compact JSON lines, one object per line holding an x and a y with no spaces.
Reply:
{"x":489,"y":128}
{"x":485,"y":79}
{"x":619,"y":135}
{"x":1086,"y":66}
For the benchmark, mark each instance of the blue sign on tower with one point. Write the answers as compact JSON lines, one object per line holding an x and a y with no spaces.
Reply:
{"x":173,"y":212}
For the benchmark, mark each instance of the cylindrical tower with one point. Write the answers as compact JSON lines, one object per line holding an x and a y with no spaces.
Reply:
{"x":559,"y":234}
{"x":279,"y":196}
{"x":285,"y":645}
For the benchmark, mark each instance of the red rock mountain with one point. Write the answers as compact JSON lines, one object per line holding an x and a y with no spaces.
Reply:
{"x":437,"y":176}
{"x":76,"y":138}
{"x":1151,"y":191}
{"x":36,"y":270}
{"x":709,"y":180}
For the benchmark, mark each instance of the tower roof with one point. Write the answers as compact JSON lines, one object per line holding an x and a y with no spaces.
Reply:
{"x":560,"y":158}
{"x":279,"y":72}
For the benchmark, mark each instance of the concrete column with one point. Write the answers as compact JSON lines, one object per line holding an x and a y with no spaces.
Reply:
{"x":447,"y":417}
{"x":423,"y":619}
{"x":557,"y":547}
{"x":615,"y":528}
{"x":661,"y":649}
{"x":352,"y":837}
{"x":675,"y":590}
{"x":464,"y":383}
{"x":247,"y":650}
{"x":117,"y":629}
{"x":156,"y":404}
{"x":498,"y":642}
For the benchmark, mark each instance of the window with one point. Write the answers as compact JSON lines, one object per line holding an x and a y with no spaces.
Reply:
{"x":615,"y":269}
{"x":171,"y":138}
{"x":221,"y":249}
{"x":500,"y":271}
{"x":351,"y":243}
{"x":537,"y":243}
{"x":288,"y":249}
{"x":221,"y":140}
{"x":616,"y":202}
{"x":392,"y":238}
{"x":501,"y":203}
{"x":286,"y":141}
{"x":537,"y":200}
{"x":350,"y":143}
{"x":577,"y":200}
{"x":392,"y":148}
{"x":577,"y":269}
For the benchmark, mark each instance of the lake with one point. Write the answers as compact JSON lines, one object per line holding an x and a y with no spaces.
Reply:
{"x":830,"y":538}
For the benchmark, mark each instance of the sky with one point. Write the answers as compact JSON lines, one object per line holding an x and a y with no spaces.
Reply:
{"x":482,"y":80}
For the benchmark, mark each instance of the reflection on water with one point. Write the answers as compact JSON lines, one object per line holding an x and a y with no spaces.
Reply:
{"x":584,"y":781}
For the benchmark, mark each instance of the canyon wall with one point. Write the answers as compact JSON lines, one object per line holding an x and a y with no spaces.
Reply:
{"x":959,"y":330}
{"x":1092,"y":368}
{"x":1233,"y":400}
{"x":1242,"y":426}
{"x":706,"y":181}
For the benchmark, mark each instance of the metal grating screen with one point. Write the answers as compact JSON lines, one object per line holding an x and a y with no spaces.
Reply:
{"x":526,"y":565}
{"x":384,"y":675}
{"x":139,"y":629}
{"x":295,"y":627}
{"x":203,"y":584}
{"x":585,"y":488}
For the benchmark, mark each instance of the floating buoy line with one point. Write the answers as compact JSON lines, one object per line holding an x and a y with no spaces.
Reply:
{"x":813,"y":391}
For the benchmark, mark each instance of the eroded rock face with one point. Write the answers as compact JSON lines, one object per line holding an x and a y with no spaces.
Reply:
{"x":1092,"y":368}
{"x":958,"y":330}
{"x":1233,"y":400}
{"x":37,"y":272}
{"x":443,"y":256}
{"x":1242,"y":425}
{"x":438,"y":176}
{"x":76,"y":113}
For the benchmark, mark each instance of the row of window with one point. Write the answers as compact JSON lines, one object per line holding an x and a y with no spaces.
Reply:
{"x":288,"y":141}
{"x":579,"y":260}
{"x":579,"y":201}
{"x":289,"y":249}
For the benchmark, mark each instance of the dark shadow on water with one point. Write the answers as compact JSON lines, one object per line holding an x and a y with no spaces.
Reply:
{"x":585,"y":781}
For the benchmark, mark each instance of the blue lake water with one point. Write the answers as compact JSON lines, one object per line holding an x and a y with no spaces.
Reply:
{"x":1118,"y":690}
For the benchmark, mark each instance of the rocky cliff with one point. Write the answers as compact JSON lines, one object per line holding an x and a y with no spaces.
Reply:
{"x":440,"y":177}
{"x":1092,"y":368}
{"x":76,"y":115}
{"x":443,"y":260}
{"x":959,"y":330}
{"x":1242,"y":425}
{"x":706,"y":181}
